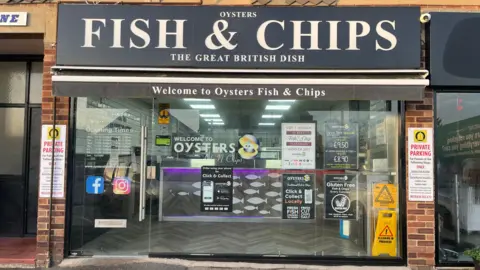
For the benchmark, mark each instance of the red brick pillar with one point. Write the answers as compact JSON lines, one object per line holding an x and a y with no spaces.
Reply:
{"x":57,"y":221}
{"x":420,"y":215}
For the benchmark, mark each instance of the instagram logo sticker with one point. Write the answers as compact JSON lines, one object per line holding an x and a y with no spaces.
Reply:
{"x":121,"y":186}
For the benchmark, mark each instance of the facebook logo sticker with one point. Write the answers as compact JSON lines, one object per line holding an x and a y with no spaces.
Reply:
{"x":95,"y":184}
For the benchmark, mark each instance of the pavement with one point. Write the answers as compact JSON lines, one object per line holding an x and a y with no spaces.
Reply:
{"x":177,"y":264}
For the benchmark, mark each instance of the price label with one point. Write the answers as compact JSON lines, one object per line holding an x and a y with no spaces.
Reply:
{"x":341,"y":146}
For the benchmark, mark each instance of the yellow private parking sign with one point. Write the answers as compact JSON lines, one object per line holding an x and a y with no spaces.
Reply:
{"x":53,"y":133}
{"x":420,"y":136}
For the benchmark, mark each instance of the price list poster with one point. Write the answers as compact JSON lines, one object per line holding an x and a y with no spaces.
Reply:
{"x":341,"y":146}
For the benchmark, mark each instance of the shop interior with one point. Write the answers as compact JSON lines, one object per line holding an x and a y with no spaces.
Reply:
{"x":125,"y":138}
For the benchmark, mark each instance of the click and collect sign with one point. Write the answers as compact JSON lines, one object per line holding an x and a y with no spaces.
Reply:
{"x":238,"y":37}
{"x":420,"y":164}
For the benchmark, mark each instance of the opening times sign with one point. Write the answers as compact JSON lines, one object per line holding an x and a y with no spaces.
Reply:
{"x":341,"y":146}
{"x":420,"y":164}
{"x":298,"y":145}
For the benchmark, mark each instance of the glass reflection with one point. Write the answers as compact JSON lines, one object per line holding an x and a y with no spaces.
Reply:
{"x":185,"y":134}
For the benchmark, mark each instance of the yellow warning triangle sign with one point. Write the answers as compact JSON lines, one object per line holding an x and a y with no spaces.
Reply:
{"x":384,"y":196}
{"x":386,"y":231}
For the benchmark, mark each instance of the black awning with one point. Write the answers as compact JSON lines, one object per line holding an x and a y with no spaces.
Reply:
{"x":240,"y":88}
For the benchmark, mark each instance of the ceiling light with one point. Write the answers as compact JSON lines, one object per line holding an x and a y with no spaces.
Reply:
{"x":272,"y":116}
{"x":202,"y":106}
{"x":197,"y":99}
{"x":217,"y":123}
{"x":266,"y":124}
{"x":277,"y":107}
{"x":213,"y":120}
{"x":282,"y":100}
{"x":210,"y":115}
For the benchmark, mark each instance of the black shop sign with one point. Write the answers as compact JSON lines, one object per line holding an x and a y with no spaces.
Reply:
{"x":341,"y":146}
{"x":238,"y":37}
{"x":298,"y":196}
{"x":217,"y":189}
{"x":340,"y":193}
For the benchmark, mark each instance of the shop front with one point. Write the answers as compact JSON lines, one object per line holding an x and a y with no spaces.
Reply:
{"x":244,"y":132}
{"x":456,"y":81}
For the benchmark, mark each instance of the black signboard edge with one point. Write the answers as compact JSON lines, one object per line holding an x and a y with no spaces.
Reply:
{"x":315,"y":138}
{"x":314,"y":197}
{"x":358,"y":147}
{"x":325,"y":196}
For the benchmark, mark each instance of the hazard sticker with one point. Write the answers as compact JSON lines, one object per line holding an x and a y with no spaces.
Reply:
{"x":386,"y":232}
{"x":385,"y":196}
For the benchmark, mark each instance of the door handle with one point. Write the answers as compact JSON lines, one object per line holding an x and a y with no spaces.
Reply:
{"x":143,"y":166}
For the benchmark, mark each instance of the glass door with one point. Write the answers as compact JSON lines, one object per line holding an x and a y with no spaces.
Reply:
{"x":111,"y":193}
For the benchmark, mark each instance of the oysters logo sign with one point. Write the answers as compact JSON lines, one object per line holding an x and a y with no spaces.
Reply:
{"x":248,"y":147}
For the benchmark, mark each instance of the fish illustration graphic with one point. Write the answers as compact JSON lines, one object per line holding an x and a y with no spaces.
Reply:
{"x":264,"y":212}
{"x":252,"y":176}
{"x":257,"y":184}
{"x":277,"y":184}
{"x":197,"y":185}
{"x":318,"y":203}
{"x":236,"y":184}
{"x":237,"y":211}
{"x":183,"y":193}
{"x":274,"y":175}
{"x":236,"y":177}
{"x":256,"y":200}
{"x":251,"y":191}
{"x":197,"y":193}
{"x":235,"y":200}
{"x":279,"y":200}
{"x":272,"y":194}
{"x":251,"y":207}
{"x":277,"y":207}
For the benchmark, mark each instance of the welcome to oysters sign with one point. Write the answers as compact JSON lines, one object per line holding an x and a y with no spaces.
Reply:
{"x":238,"y":37}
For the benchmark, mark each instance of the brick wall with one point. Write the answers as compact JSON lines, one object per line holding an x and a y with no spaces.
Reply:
{"x":420,"y":215}
{"x":57,"y":221}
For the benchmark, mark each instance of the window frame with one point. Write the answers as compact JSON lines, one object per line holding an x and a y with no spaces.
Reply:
{"x":400,"y":260}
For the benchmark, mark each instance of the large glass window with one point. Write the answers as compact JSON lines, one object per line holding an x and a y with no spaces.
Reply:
{"x":457,"y":142}
{"x":300,"y":177}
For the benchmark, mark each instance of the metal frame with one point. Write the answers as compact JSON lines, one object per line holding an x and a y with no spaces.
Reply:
{"x":422,"y":72}
{"x":27,"y":106}
{"x":251,"y":81}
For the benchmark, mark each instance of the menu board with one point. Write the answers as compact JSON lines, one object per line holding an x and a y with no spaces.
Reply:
{"x":298,"y":197}
{"x":217,"y":189}
{"x":298,"y":145}
{"x":341,"y":146}
{"x":340,"y":192}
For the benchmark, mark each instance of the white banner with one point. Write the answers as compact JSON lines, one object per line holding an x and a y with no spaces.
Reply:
{"x":48,"y":133}
{"x":298,"y":145}
{"x":420,"y":164}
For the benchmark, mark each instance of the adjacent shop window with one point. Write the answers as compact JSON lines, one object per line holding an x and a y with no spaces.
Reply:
{"x":257,"y":177}
{"x":36,"y":82}
{"x":457,"y":142}
{"x":12,"y":140}
{"x":12,"y":82}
